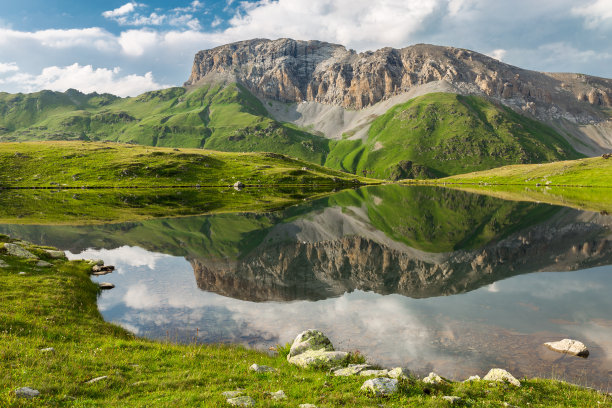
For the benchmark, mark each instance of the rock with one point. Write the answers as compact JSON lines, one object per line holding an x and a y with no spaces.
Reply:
{"x":239,"y":185}
{"x":26,"y":392}
{"x":451,"y":398}
{"x":501,"y":375}
{"x":317,"y":358}
{"x":377,"y":373}
{"x":261,"y":368}
{"x":102,"y":270}
{"x":106,"y":285}
{"x":48,"y":350}
{"x":22,"y":273}
{"x":56,"y":254}
{"x":569,"y":346}
{"x":3,"y":264}
{"x":309,"y":340}
{"x":398,"y":372}
{"x":95,"y":380}
{"x":473,"y":378}
{"x":43,"y":264}
{"x":98,"y":262}
{"x":352,"y":369}
{"x":307,"y":406}
{"x":381,"y":386}
{"x":18,"y":251}
{"x":231,"y":394}
{"x":243,"y":401}
{"x":278,"y":395}
{"x":434,"y":379}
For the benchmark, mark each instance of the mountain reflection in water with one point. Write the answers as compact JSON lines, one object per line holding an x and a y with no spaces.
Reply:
{"x":378,"y":263}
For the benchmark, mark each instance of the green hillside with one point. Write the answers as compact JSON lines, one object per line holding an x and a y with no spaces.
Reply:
{"x":443,"y":134}
{"x":218,"y":117}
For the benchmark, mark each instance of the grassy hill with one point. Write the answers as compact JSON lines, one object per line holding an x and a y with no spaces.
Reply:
{"x":223,"y":117}
{"x":442,"y":134}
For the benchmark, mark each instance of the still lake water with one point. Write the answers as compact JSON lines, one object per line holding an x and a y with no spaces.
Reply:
{"x":426,"y":278}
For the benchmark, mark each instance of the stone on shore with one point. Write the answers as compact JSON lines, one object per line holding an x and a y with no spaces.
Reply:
{"x":26,"y":392}
{"x":352,"y":369}
{"x":398,"y":372}
{"x":261,"y":368}
{"x":380,"y":386}
{"x":243,"y":401}
{"x":18,"y":251}
{"x":54,"y":254}
{"x":309,"y":340}
{"x":317,"y":358}
{"x":569,"y":346}
{"x":434,"y":379}
{"x":376,"y":373}
{"x":98,"y":262}
{"x":473,"y":378}
{"x":501,"y":375}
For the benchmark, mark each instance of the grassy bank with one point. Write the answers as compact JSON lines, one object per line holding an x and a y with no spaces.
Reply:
{"x":80,"y":164}
{"x":55,"y":306}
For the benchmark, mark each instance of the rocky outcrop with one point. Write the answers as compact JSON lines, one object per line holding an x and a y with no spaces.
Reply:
{"x":293,"y":71}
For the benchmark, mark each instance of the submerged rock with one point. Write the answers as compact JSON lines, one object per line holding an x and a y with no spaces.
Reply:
{"x":501,"y":375}
{"x":18,"y":251}
{"x":380,"y":386}
{"x":309,"y":340}
{"x":243,"y":401}
{"x":569,"y":346}
{"x":26,"y":392}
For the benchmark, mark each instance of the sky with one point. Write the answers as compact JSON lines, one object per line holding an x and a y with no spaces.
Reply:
{"x":127,"y":48}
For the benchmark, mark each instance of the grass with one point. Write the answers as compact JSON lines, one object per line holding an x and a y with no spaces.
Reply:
{"x":442,"y":134}
{"x":81,"y":164}
{"x":56,"y":307}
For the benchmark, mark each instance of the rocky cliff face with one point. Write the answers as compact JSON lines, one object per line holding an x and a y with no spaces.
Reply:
{"x":317,"y":270}
{"x":294,"y":71}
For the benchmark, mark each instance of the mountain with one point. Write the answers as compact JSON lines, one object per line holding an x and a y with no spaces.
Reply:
{"x":417,"y":112}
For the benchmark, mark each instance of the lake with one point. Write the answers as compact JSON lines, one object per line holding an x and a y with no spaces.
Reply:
{"x":427,"y":278}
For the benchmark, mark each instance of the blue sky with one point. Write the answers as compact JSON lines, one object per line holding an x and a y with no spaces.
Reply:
{"x":128,"y":48}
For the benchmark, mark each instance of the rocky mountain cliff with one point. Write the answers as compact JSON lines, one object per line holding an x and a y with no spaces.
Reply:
{"x":293,"y":71}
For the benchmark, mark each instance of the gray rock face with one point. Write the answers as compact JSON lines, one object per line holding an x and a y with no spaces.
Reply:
{"x":261,"y":368}
{"x":501,"y":375}
{"x":309,"y":340}
{"x":380,"y":386}
{"x":26,"y":392}
{"x":243,"y":401}
{"x":293,"y":71}
{"x":569,"y":346}
{"x":18,"y":251}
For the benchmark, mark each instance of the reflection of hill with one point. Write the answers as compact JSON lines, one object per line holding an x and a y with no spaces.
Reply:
{"x":417,"y":241}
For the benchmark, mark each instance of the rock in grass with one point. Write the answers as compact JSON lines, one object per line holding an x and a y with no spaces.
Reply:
{"x":106,"y":285}
{"x":501,"y":375}
{"x":569,"y":346}
{"x":18,"y":251}
{"x":43,"y":264}
{"x":380,"y":386}
{"x":352,"y":369}
{"x":94,"y":262}
{"x":243,"y":401}
{"x":278,"y":395}
{"x":451,"y":398}
{"x":377,"y":373}
{"x":434,"y":379}
{"x":307,"y":406}
{"x":231,"y":394}
{"x":95,"y":380}
{"x":3,"y":264}
{"x":473,"y":378}
{"x":56,"y":254}
{"x":48,"y":350}
{"x":316,"y":358}
{"x":239,"y":185}
{"x":398,"y":372}
{"x":261,"y":368}
{"x":26,"y":392}
{"x":309,"y":340}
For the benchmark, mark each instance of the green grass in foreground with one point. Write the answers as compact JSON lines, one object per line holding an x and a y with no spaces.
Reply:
{"x":56,"y":307}
{"x":78,"y":164}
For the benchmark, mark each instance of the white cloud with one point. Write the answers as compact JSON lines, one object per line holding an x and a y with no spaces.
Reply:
{"x":57,"y":38}
{"x":125,"y":255}
{"x":8,"y":67}
{"x":121,"y":11}
{"x":136,"y":42}
{"x":498,"y":54}
{"x":596,"y":14}
{"x":216,"y":22}
{"x":194,"y":6}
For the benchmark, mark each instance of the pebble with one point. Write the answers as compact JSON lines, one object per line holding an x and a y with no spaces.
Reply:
{"x":243,"y":401}
{"x":26,"y":392}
